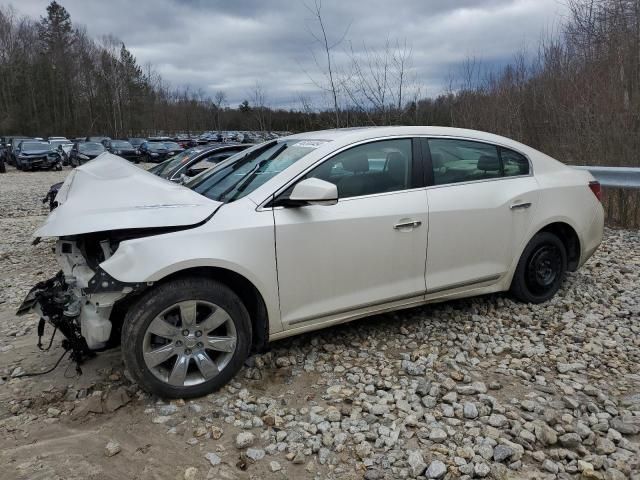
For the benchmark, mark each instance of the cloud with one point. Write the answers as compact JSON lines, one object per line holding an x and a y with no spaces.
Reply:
{"x":219,"y":45}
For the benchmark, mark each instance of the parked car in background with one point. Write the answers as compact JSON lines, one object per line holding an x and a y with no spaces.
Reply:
{"x":173,"y":148}
{"x":37,"y":155}
{"x":11,"y":144}
{"x":63,"y":147}
{"x":97,"y":139}
{"x":155,"y":152}
{"x":82,"y":152}
{"x":304,"y":232}
{"x":57,"y":138}
{"x":122,"y":148}
{"x":193,"y":161}
{"x":136,"y":141}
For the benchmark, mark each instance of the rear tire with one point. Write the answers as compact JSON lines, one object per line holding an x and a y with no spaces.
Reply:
{"x":186,"y":338}
{"x":540,"y":270}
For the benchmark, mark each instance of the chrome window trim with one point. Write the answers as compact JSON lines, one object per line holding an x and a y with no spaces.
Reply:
{"x":261,"y":205}
{"x":494,"y":144}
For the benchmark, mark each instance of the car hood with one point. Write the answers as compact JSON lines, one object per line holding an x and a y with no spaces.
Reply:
{"x":34,"y":153}
{"x":110,"y":193}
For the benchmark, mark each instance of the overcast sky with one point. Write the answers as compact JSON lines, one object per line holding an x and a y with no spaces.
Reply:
{"x":231,"y":45}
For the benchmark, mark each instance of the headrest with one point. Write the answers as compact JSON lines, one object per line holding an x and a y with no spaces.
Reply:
{"x":357,"y":163}
{"x":396,"y":166}
{"x":487,"y":163}
{"x":437,"y":160}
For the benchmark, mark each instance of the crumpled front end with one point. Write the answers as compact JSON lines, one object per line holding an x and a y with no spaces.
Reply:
{"x":79,"y":299}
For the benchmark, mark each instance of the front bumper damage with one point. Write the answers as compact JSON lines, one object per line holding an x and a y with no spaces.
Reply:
{"x":77,"y":301}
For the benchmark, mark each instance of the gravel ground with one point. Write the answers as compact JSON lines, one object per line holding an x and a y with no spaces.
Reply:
{"x":478,"y":388}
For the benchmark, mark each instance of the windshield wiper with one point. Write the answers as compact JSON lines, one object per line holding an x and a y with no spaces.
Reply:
{"x":243,"y":182}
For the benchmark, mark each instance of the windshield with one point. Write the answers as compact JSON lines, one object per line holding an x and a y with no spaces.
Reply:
{"x":121,"y":144}
{"x":172,"y":146}
{"x":90,"y":147}
{"x":168,"y":168}
{"x":136,"y":141}
{"x":246,"y":171}
{"x":35,"y":146}
{"x":156,"y":146}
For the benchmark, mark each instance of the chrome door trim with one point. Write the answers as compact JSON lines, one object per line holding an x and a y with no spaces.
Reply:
{"x":418,"y":298}
{"x":467,"y":283}
{"x":409,"y":224}
{"x":516,"y":206}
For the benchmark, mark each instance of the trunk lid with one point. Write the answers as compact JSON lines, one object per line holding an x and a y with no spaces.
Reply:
{"x":109,"y":193}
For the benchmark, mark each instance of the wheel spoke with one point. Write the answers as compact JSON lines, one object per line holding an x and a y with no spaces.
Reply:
{"x":159,"y":355}
{"x":221,"y":344}
{"x":179,"y":372}
{"x":188,"y":314}
{"x":162,"y":328}
{"x":207,"y":367}
{"x":213,"y":321}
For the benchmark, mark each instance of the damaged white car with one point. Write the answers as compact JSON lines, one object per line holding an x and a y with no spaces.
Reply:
{"x":300,"y":233}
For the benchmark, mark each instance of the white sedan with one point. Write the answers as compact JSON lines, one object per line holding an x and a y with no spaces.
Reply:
{"x":300,"y":233}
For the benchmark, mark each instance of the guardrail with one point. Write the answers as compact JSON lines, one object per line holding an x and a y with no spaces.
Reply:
{"x":620,"y":177}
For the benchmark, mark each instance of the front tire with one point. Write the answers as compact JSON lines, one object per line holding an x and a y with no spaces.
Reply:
{"x":186,"y":338}
{"x":541,"y":269}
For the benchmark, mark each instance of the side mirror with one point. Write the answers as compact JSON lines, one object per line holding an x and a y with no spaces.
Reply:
{"x":313,"y":191}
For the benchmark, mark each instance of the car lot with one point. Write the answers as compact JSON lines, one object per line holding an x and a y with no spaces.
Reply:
{"x":487,"y":386}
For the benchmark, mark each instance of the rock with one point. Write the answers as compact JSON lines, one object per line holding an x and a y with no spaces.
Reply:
{"x":437,"y":435}
{"x":625,"y":426}
{"x":604,"y":446}
{"x":469,"y":410}
{"x":545,"y":434}
{"x":436,"y":469}
{"x":116,"y":399}
{"x":245,"y":439}
{"x":550,"y":466}
{"x":570,"y":367}
{"x":416,"y":463}
{"x":191,"y":473}
{"x":472,"y":389}
{"x":570,"y":440}
{"x":53,"y":412}
{"x":363,"y":450}
{"x":481,"y":470}
{"x":282,"y":362}
{"x":112,"y":448}
{"x":213,"y":458}
{"x":274,"y":466}
{"x":167,"y":410}
{"x":255,"y":454}
{"x":216,"y":432}
{"x":92,"y":404}
{"x":497,"y":420}
{"x":502,"y":453}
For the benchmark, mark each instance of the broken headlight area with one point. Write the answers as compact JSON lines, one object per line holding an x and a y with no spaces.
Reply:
{"x":79,"y":299}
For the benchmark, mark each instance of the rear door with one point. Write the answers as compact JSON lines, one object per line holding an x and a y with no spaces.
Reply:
{"x":364,"y":251}
{"x":481,"y":202}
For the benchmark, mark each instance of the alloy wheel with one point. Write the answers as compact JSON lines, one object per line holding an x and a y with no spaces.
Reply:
{"x":189,"y":343}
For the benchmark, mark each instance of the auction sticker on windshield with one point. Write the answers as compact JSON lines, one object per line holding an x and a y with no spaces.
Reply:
{"x":310,"y":143}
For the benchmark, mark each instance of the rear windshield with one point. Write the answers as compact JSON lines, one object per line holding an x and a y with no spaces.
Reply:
{"x":121,"y":144}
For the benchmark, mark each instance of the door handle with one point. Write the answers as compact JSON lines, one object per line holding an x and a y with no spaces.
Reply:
{"x":410,"y":224}
{"x":520,"y":205}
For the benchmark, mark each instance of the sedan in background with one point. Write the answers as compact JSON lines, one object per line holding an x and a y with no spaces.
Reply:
{"x":82,"y":152}
{"x":173,"y":148}
{"x":301,"y":233}
{"x":122,"y":148}
{"x":155,"y":152}
{"x":37,"y":155}
{"x":193,"y":161}
{"x":63,"y":147}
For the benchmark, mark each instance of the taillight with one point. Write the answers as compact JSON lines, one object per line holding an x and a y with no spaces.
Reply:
{"x":596,"y":189}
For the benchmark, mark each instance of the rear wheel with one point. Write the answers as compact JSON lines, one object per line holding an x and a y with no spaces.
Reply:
{"x":186,"y":338}
{"x":541,"y":269}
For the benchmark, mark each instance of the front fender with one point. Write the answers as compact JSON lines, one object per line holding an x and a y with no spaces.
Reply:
{"x":245,"y":247}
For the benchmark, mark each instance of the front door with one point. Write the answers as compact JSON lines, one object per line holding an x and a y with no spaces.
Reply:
{"x":366,"y":250}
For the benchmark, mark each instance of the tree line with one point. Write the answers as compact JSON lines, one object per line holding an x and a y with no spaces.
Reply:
{"x":576,"y":97}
